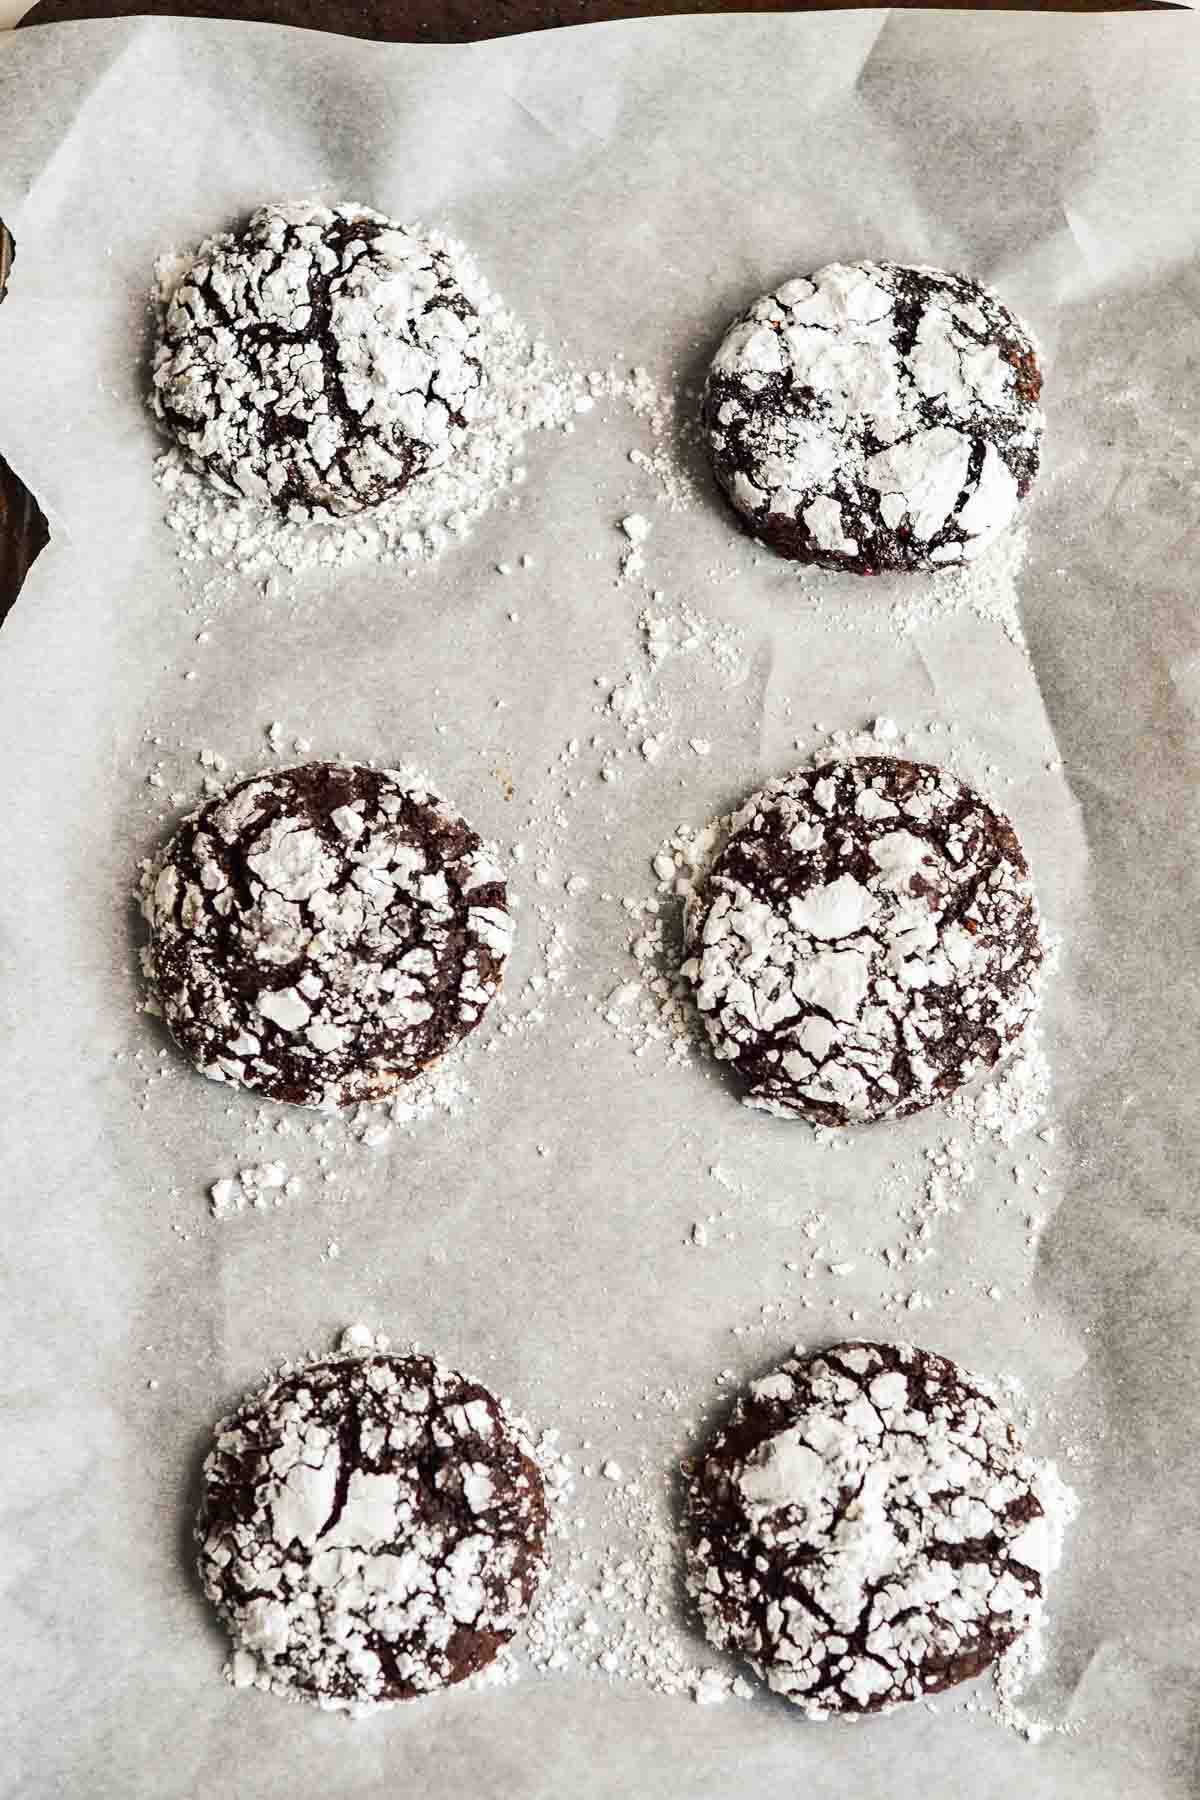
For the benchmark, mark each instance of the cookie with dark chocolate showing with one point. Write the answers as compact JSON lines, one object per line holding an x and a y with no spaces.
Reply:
{"x":866,"y":941}
{"x":320,"y":360}
{"x":875,"y":417}
{"x":324,"y":933}
{"x":866,"y":1529}
{"x":372,"y":1529}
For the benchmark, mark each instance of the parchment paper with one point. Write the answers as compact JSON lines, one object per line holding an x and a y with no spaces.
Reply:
{"x":626,"y":188}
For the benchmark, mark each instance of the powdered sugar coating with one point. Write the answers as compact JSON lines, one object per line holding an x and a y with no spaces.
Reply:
{"x":867,"y":1529}
{"x":320,"y":360}
{"x":867,"y":940}
{"x":874,"y":416}
{"x":372,"y":1529}
{"x":323,"y":933}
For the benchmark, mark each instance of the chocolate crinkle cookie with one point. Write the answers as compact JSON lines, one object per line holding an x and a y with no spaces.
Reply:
{"x":873,"y":417}
{"x":319,"y":361}
{"x":866,"y":941}
{"x":867,"y":1529}
{"x":323,"y":933}
{"x":372,"y":1529}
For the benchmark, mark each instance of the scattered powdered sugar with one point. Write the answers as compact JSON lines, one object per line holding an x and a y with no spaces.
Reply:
{"x":987,"y":588}
{"x":640,"y":703}
{"x":610,"y":1607}
{"x":991,"y":1116}
{"x":675,"y":453}
{"x":335,"y":1145}
{"x":683,"y":631}
{"x":258,"y":1185}
{"x":1014,"y":1102}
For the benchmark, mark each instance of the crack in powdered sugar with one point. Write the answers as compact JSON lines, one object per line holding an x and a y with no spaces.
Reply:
{"x":371,"y":1529}
{"x":317,"y":361}
{"x":657,"y":1011}
{"x":525,"y":390}
{"x":933,"y":1568}
{"x":875,"y":416}
{"x":901,"y":965}
{"x":324,"y":932}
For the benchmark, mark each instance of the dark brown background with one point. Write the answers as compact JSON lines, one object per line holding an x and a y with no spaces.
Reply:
{"x":23,"y":531}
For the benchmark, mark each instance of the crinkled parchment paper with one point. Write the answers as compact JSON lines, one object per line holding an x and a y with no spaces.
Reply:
{"x":626,"y":188}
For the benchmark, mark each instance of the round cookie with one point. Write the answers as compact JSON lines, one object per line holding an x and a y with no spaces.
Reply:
{"x":323,"y":933}
{"x":866,"y":1529}
{"x":866,"y":941}
{"x":319,"y":361}
{"x":372,"y":1528}
{"x":873,"y":417}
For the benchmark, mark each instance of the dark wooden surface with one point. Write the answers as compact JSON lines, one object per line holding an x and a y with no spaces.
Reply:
{"x":463,"y":21}
{"x":23,"y":531}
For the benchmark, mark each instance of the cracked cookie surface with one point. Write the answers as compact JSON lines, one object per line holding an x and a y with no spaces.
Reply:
{"x":323,"y":933}
{"x":866,"y":941}
{"x":319,"y":361}
{"x":372,"y":1528}
{"x":875,"y":417}
{"x":866,"y":1529}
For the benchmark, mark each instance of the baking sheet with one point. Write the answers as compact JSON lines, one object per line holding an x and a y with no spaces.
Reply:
{"x":627,"y":188}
